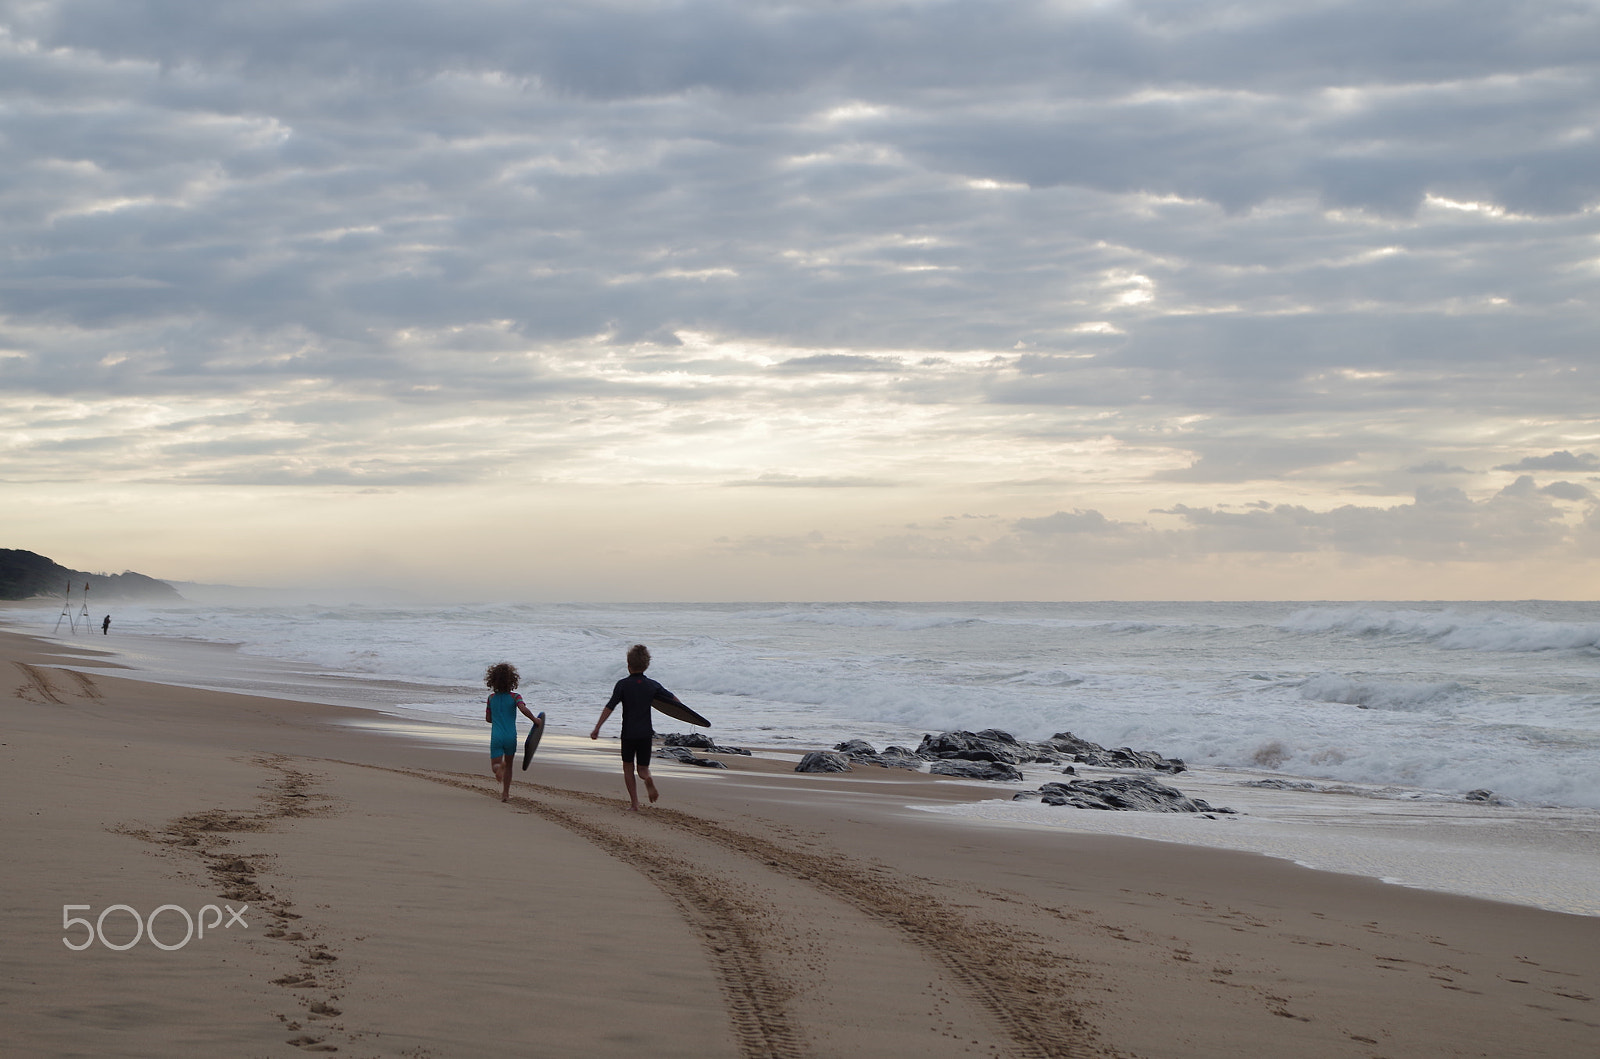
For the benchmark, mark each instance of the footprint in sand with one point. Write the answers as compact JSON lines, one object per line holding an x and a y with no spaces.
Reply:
{"x":312,"y":1044}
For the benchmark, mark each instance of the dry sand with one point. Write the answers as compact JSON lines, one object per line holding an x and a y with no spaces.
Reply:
{"x":397,"y":908}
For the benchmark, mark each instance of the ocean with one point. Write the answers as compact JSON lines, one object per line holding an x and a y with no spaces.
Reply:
{"x":1385,"y":709}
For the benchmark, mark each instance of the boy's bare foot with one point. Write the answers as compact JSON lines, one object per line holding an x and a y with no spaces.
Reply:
{"x":633,"y":808}
{"x":650,"y":789}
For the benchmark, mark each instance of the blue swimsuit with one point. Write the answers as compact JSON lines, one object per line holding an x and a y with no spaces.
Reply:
{"x":503,"y":711}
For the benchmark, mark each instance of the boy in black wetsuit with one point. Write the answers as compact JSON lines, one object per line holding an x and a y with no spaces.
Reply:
{"x":635,"y":691}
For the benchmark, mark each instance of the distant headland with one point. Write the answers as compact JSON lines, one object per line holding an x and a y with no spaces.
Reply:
{"x":29,"y":575}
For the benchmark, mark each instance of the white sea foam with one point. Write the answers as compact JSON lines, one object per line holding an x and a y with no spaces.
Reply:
{"x":1379,"y":695}
{"x":1451,"y":629}
{"x":1457,"y":698}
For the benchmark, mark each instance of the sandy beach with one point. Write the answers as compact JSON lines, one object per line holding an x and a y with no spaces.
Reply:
{"x":381,"y":901}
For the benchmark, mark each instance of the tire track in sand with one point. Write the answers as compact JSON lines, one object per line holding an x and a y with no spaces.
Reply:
{"x":756,"y":996}
{"x":1004,"y":972}
{"x":38,"y":684}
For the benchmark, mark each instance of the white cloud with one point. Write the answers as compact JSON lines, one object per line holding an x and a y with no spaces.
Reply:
{"x":1163,"y":252}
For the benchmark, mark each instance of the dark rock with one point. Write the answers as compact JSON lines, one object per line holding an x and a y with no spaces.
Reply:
{"x":975,"y":770}
{"x":1125,"y":793}
{"x":1280,"y":785}
{"x":860,"y":752}
{"x":992,"y":744}
{"x":1487,"y":797}
{"x":700,"y":741}
{"x":682,"y":755}
{"x":1086,"y":753}
{"x":900,"y":757}
{"x":989,"y":745}
{"x":823,"y":761}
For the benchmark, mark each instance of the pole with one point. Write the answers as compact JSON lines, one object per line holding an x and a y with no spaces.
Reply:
{"x":66,"y":612}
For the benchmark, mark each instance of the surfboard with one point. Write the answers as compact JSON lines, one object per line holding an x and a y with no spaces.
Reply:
{"x":679,"y":712}
{"x":532,"y":742}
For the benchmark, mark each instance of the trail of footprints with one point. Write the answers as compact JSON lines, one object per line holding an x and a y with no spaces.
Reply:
{"x":315,"y":979}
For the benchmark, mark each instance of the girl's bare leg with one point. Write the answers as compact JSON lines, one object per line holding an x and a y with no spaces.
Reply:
{"x":502,"y":772}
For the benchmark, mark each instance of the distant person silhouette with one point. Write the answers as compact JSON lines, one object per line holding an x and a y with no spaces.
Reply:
{"x":105,"y":626}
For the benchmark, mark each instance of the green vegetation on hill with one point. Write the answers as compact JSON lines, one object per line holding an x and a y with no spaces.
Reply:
{"x":26,"y":575}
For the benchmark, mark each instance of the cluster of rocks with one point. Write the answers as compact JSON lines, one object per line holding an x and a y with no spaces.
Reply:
{"x":860,"y":752}
{"x":992,"y":744}
{"x":697,"y":741}
{"x":950,"y":754}
{"x":677,"y":746}
{"x":993,"y":754}
{"x":1127,"y":793}
{"x":682,"y":756}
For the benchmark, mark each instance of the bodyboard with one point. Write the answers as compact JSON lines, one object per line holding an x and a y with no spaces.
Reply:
{"x":679,"y":712}
{"x":532,"y":742}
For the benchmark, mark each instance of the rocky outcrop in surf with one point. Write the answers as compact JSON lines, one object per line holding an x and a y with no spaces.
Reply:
{"x":697,"y":741}
{"x":823,"y":761}
{"x":991,"y":754}
{"x":992,"y":744}
{"x":1126,"y":793}
{"x":861,"y":752}
{"x":683,"y":757}
{"x":976,"y":770}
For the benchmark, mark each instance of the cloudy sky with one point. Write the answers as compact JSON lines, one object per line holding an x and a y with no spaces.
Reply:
{"x":926,"y":299}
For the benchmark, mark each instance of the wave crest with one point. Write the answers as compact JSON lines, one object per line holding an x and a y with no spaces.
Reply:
{"x":1451,"y":630}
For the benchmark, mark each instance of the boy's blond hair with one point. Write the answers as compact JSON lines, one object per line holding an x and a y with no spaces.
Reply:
{"x":638,"y":658}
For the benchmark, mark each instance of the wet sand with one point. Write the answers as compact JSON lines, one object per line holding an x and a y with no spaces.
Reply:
{"x":397,"y":908}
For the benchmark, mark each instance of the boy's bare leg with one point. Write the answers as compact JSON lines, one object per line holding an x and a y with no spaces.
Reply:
{"x":649,"y":784}
{"x":629,"y":782}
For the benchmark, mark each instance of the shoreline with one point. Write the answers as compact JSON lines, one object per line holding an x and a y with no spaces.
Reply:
{"x":1537,"y":856}
{"x":754,"y":909}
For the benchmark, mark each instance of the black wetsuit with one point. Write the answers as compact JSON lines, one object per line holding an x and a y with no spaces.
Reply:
{"x":635,"y":692}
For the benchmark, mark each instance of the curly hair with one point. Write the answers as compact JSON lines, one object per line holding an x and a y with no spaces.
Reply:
{"x":502,"y":677}
{"x":638,"y":658}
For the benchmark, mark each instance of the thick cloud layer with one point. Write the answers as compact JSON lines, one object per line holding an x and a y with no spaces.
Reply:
{"x":1146,"y":258}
